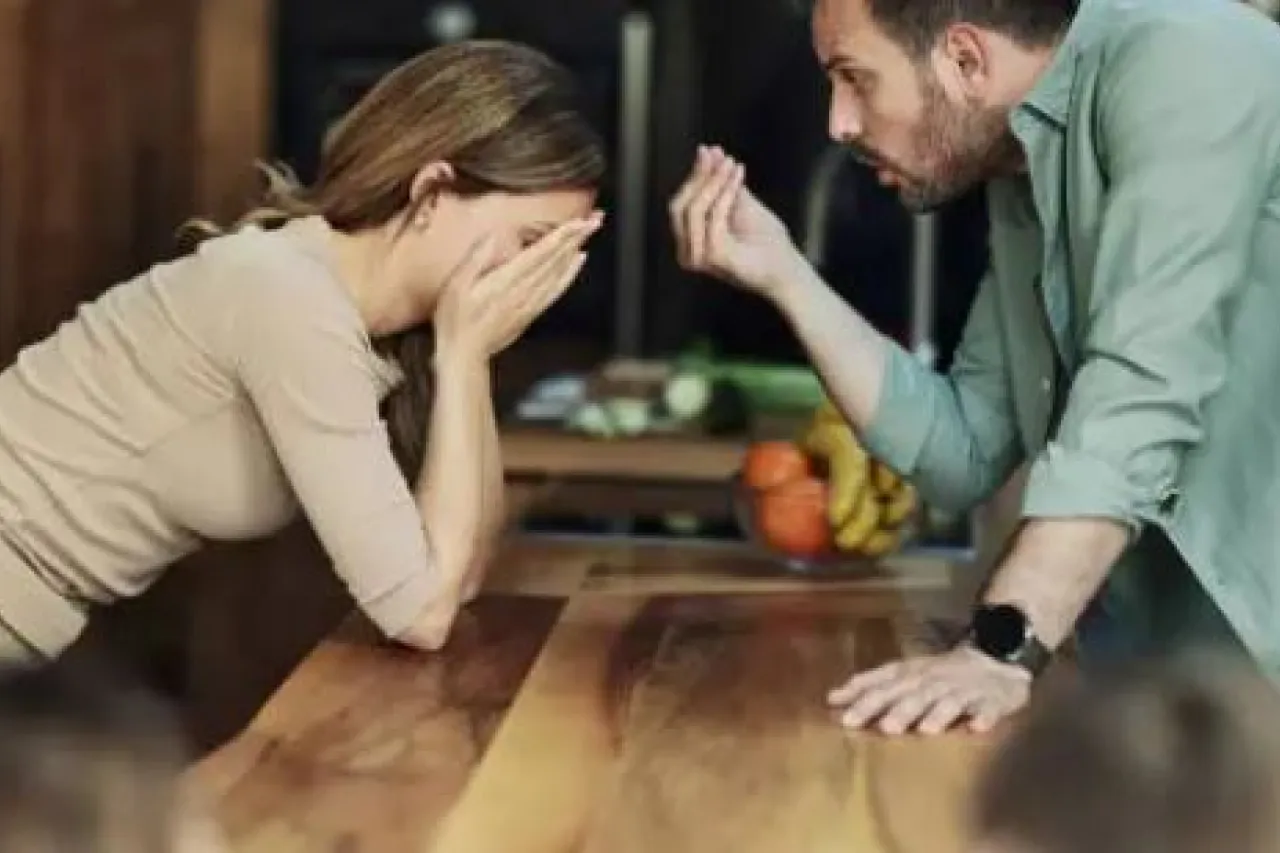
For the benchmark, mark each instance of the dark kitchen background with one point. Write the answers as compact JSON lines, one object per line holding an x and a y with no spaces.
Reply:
{"x":119,"y":119}
{"x":746,"y":80}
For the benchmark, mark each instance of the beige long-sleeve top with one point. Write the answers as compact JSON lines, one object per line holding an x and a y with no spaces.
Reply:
{"x":208,"y":398}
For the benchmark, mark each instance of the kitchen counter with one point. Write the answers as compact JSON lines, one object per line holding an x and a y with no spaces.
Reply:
{"x":607,"y":698}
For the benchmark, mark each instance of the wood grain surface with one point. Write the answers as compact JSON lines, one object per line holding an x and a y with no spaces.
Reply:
{"x":369,"y":744}
{"x":676,"y":703}
{"x":698,"y":724}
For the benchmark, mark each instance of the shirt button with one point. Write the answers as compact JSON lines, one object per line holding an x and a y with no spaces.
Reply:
{"x":1046,"y":385}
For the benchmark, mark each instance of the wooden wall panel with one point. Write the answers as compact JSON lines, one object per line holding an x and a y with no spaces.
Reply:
{"x":14,"y":18}
{"x":121,"y":119}
{"x":232,"y":121}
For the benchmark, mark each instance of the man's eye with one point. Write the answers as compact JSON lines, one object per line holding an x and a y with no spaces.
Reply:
{"x":861,"y":83}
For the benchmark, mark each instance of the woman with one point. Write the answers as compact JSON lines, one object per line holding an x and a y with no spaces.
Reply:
{"x":212,"y":397}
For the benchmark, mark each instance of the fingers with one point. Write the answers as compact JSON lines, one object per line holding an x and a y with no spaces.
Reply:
{"x":932,"y":694}
{"x":694,"y":212}
{"x":875,"y":702}
{"x":541,"y":292}
{"x":914,"y":704}
{"x":984,"y":718}
{"x":946,"y":712}
{"x":475,"y":261}
{"x":560,"y":242}
{"x":543,"y":258}
{"x":553,"y":285}
{"x":691,"y":208}
{"x":987,"y":711}
{"x":681,"y":201}
{"x":556,"y":271}
{"x":722,"y":207}
{"x":862,"y":682}
{"x":698,"y":211}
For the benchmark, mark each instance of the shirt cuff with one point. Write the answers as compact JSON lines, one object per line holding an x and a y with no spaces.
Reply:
{"x":1065,"y":483}
{"x":900,"y":426}
{"x":396,"y":609}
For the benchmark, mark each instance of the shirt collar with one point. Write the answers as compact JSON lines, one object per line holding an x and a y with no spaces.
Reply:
{"x":1051,"y":96}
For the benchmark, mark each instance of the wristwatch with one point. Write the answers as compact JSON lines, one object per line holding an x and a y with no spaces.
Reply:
{"x":1003,"y":632}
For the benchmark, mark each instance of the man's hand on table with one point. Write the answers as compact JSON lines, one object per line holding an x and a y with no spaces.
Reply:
{"x":933,"y":693}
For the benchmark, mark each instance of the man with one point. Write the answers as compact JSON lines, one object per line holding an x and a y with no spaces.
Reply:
{"x":1123,"y":341}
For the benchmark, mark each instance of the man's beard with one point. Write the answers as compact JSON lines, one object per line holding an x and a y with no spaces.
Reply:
{"x":956,"y":149}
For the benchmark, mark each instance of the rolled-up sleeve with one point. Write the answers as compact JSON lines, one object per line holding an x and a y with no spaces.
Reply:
{"x":954,"y":436}
{"x":1187,"y":137}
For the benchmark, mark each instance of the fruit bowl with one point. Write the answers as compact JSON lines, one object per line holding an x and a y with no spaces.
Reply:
{"x":807,"y":553}
{"x":746,"y":502}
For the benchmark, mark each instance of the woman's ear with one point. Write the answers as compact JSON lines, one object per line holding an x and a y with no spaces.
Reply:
{"x":427,"y":184}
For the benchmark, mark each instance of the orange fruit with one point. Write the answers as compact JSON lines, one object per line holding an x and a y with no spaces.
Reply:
{"x":771,"y":463}
{"x":792,"y":518}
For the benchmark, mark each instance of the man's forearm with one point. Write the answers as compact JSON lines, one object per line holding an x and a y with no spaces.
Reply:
{"x":847,"y":351}
{"x":953,"y":436}
{"x":1053,"y":569}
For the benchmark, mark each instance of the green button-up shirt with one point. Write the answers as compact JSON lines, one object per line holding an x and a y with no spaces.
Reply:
{"x":1125,"y":338}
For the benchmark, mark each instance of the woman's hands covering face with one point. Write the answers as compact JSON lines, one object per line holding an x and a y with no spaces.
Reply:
{"x":483,"y":309}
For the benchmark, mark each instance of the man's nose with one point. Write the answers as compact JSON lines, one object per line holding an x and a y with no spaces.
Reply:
{"x":844,"y":123}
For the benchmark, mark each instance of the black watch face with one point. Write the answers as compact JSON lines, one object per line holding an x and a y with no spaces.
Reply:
{"x":1000,"y":630}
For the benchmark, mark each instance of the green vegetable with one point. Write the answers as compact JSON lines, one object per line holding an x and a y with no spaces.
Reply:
{"x":767,"y":387}
{"x":631,"y":416}
{"x":687,"y":394}
{"x":593,"y":419}
{"x":727,"y":412}
{"x":717,"y":406}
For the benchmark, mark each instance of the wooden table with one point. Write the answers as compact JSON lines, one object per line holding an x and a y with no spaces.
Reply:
{"x":606,"y":699}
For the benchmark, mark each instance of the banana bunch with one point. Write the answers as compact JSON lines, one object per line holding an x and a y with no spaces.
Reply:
{"x":868,"y":503}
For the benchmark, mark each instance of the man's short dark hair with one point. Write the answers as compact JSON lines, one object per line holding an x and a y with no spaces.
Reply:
{"x":918,"y":24}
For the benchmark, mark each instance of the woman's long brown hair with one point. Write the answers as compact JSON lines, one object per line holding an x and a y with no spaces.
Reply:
{"x":503,"y":115}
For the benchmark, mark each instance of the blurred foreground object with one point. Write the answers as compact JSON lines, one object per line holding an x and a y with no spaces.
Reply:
{"x":1176,"y":757}
{"x":91,"y":766}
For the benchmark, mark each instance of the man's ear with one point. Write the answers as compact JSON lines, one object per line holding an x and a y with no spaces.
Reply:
{"x":965,"y":59}
{"x":427,"y":184}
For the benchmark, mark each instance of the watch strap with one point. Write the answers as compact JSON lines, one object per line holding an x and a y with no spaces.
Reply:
{"x":1033,"y":656}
